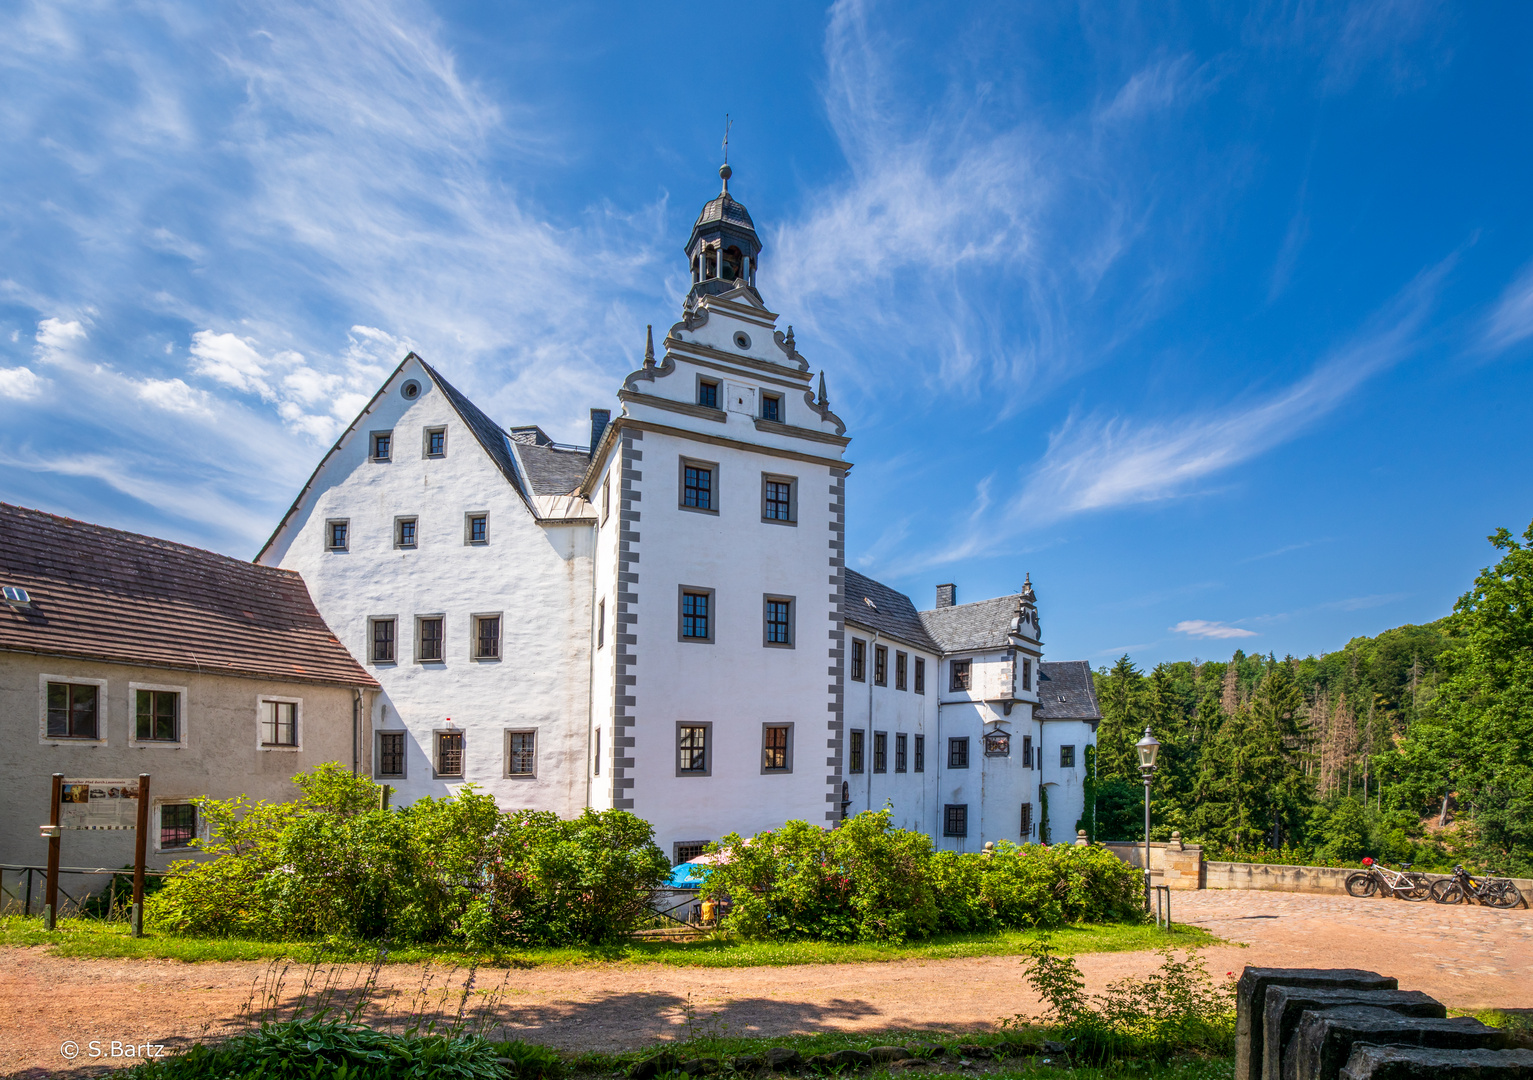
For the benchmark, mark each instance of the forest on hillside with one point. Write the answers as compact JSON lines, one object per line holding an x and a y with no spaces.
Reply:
{"x":1416,"y":744}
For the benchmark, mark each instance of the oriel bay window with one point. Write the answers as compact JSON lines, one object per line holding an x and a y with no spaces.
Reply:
{"x":696,"y":615}
{"x":692,"y":749}
{"x":73,"y":710}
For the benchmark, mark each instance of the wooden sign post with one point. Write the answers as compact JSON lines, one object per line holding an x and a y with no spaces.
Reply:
{"x":140,"y":842}
{"x":51,"y":897}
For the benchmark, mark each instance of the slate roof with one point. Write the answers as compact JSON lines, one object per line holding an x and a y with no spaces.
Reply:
{"x":891,"y":613}
{"x":550,"y":470}
{"x":491,"y":435}
{"x":104,"y":594}
{"x":980,"y":625}
{"x":726,"y":209}
{"x":1066,"y":691}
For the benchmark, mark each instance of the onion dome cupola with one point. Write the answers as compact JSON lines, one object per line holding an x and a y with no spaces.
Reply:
{"x":723,"y":248}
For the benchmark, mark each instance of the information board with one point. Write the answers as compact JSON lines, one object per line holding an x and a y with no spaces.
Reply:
{"x":99,"y":804}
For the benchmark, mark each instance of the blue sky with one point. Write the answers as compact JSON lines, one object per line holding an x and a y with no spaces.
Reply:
{"x":1220,"y":324}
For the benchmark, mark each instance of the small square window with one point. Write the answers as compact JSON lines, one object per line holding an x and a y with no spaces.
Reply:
{"x":708,"y":393}
{"x":778,"y":618}
{"x":779,"y":503}
{"x":699,"y":486}
{"x":997,"y":744}
{"x":522,"y":753}
{"x":391,"y":754}
{"x":1067,"y":757}
{"x":279,"y":723}
{"x":955,"y":820}
{"x":337,"y":534}
{"x":383,"y":641}
{"x":960,"y":672}
{"x":854,"y":753}
{"x":920,"y":675}
{"x":476,"y":528}
{"x":157,"y":715}
{"x":486,"y":637}
{"x":901,"y":752}
{"x":920,"y":765}
{"x":859,"y":660}
{"x":880,"y":751}
{"x":436,"y":442}
{"x":428,"y":639}
{"x":178,"y":825}
{"x":776,"y":748}
{"x":383,"y":445}
{"x":696,"y":615}
{"x":449,"y":753}
{"x":771,"y":407}
{"x":901,"y":662}
{"x":692,"y":750}
{"x":958,"y":753}
{"x":404,"y":532}
{"x":73,"y":710}
{"x":880,"y":665}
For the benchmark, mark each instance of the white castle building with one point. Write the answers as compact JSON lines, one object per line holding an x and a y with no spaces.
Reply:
{"x":663,"y":621}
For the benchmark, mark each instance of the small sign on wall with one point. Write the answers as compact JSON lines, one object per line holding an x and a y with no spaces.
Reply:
{"x":740,"y":398}
{"x":99,"y":804}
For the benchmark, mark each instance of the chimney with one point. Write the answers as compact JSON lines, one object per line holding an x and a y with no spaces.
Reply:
{"x":947,"y":595}
{"x":599,"y":421}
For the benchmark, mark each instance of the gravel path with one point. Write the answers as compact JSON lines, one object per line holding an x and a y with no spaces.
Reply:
{"x":1468,"y":957}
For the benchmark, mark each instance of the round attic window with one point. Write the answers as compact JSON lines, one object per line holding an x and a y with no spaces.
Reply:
{"x":410,"y":390}
{"x":742,"y":340}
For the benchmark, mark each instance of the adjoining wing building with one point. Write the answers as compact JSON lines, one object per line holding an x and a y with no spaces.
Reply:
{"x":663,"y":620}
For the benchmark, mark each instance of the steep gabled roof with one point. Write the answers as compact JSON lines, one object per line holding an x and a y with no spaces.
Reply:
{"x":491,"y":435}
{"x":874,"y":605}
{"x":1066,"y":691}
{"x":984,"y":624}
{"x":104,"y":594}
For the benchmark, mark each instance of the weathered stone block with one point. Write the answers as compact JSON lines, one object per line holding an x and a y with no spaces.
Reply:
{"x":882,"y":1054}
{"x":1285,"y":1004}
{"x":1323,"y":1041}
{"x":1250,"y":1003}
{"x":1423,"y":1063}
{"x":781,"y":1059}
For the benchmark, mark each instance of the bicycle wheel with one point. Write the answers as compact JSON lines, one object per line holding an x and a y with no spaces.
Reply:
{"x":1502,"y":894}
{"x":1447,"y":891}
{"x":1421,"y":888}
{"x":1361,"y":884}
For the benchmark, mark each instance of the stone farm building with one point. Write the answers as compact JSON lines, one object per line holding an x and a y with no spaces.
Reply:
{"x":663,"y":620}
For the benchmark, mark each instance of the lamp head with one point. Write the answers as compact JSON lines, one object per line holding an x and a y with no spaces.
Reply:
{"x":1149,"y":750}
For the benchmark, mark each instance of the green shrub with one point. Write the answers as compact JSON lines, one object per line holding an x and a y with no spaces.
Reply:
{"x":868,"y":881}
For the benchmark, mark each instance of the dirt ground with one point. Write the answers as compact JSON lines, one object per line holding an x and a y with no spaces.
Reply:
{"x":1467,"y":957}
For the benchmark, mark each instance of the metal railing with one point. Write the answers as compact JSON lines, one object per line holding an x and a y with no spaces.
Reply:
{"x":36,"y":879}
{"x":1162,"y":894}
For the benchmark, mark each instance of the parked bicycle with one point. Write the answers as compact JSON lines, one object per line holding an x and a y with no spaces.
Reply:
{"x":1378,"y":878}
{"x":1463,"y":887}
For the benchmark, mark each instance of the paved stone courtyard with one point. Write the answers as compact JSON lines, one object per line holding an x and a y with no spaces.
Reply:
{"x":1466,"y":957}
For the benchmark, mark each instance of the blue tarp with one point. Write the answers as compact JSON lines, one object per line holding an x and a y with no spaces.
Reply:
{"x":688,"y":875}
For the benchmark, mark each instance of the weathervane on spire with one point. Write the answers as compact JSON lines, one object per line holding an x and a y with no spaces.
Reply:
{"x":725,"y":172}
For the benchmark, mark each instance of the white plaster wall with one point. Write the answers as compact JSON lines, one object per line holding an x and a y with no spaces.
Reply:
{"x":1067,"y":800}
{"x":872,"y":708}
{"x":538,"y":578}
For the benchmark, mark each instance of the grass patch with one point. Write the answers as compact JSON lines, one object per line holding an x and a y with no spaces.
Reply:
{"x":93,"y":938}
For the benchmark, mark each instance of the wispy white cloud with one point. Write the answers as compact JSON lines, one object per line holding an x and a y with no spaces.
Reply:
{"x":1202,"y":628}
{"x":1157,"y":86}
{"x":20,"y":384}
{"x":1511,"y":320}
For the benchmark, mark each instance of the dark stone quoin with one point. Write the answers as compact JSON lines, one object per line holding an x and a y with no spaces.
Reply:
{"x":1286,"y":1004}
{"x":1250,"y":1003}
{"x":1323,"y":1041}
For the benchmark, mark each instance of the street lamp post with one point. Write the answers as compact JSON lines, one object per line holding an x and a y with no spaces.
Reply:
{"x":1149,"y":749}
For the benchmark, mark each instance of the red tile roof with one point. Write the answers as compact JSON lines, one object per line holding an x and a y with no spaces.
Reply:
{"x":105,"y":594}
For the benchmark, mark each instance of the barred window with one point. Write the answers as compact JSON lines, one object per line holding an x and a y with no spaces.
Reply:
{"x":692,"y":748}
{"x":880,"y":665}
{"x":901,"y":752}
{"x":960,"y":671}
{"x":778,"y":500}
{"x":521,"y":753}
{"x":694,"y":615}
{"x":859,"y":660}
{"x":688,"y":850}
{"x":900,"y":662}
{"x":777,"y":622}
{"x":72,"y":711}
{"x":920,"y":753}
{"x":156,"y":714}
{"x":178,"y":825}
{"x":383,"y":641}
{"x":1027,"y":820}
{"x":958,"y":753}
{"x":955,"y":820}
{"x":279,"y":723}
{"x":880,"y":751}
{"x":775,"y":748}
{"x":697,"y":487}
{"x":430,"y":644}
{"x":920,"y":675}
{"x":449,"y":753}
{"x":854,"y":753}
{"x":487,"y":637}
{"x":391,"y":753}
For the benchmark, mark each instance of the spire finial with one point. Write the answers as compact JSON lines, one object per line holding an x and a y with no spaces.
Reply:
{"x":725,"y":172}
{"x":823,"y":399}
{"x":649,"y":345}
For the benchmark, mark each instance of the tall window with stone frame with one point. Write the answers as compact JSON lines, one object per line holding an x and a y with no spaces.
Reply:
{"x":960,"y":670}
{"x":958,"y":753}
{"x":901,"y":754}
{"x":391,"y":753}
{"x":920,"y":675}
{"x":774,"y":740}
{"x":521,"y":753}
{"x":449,"y":753}
{"x":487,"y":637}
{"x":697,"y":486}
{"x":920,"y":765}
{"x":1027,"y":751}
{"x":779,"y":621}
{"x":859,"y":660}
{"x":157,"y":715}
{"x":776,"y":498}
{"x":854,"y":753}
{"x":900,"y":663}
{"x":695,"y":616}
{"x":880,"y":665}
{"x":880,"y":751}
{"x":383,"y":641}
{"x":1027,"y":674}
{"x":428,"y":639}
{"x":692,"y":749}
